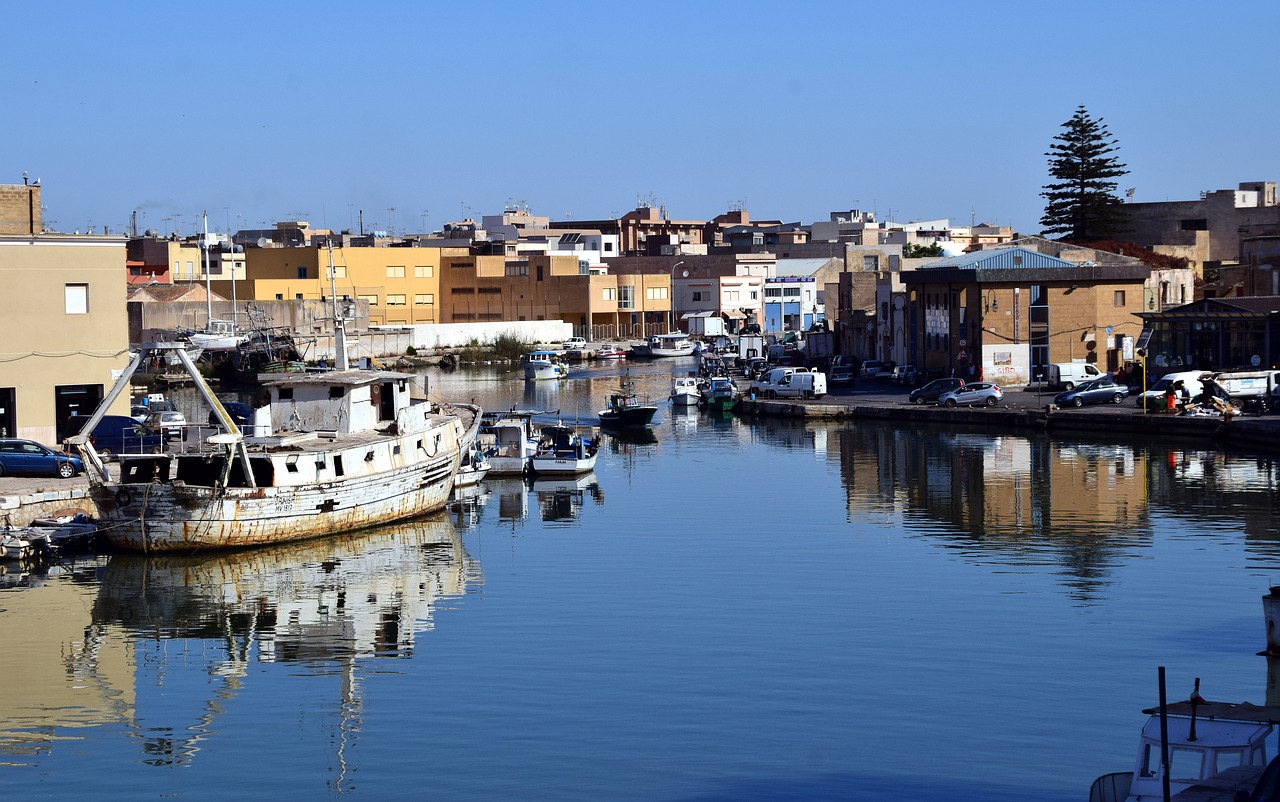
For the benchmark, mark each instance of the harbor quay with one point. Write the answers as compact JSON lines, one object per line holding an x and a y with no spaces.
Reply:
{"x":1022,"y":410}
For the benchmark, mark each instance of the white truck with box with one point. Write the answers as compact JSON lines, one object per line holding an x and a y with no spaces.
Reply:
{"x":790,"y":383}
{"x":1066,"y":375}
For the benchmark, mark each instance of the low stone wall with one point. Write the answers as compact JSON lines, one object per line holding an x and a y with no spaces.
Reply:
{"x":22,"y":509}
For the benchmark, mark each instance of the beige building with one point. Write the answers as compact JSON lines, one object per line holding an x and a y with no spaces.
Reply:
{"x":401,"y":285}
{"x":65,"y":331}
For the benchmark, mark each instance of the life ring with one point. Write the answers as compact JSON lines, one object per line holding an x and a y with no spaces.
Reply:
{"x":124,"y":497}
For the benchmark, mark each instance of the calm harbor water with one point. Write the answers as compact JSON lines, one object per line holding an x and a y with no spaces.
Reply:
{"x":735,"y":611}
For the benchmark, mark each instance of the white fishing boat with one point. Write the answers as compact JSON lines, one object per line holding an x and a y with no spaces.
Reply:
{"x":1211,"y":746}
{"x":508,"y":442}
{"x":610,"y":352}
{"x":544,"y":365}
{"x":562,"y":450}
{"x":219,"y":335}
{"x":346,"y":449}
{"x":686,"y":391}
{"x":664,"y":345}
{"x":473,"y":467}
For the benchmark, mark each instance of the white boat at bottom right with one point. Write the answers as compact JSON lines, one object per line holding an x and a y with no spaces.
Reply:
{"x":1213,"y":751}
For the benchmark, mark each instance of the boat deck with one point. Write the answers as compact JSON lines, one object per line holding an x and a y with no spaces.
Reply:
{"x":1221,"y":787}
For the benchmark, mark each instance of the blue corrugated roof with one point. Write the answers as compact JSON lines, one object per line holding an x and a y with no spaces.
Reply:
{"x":1001,"y":259}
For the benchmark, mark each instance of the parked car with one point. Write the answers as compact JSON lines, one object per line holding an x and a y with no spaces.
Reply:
{"x":976,"y":394}
{"x":120,"y":434}
{"x":903,"y":374}
{"x":1097,"y":391}
{"x":139,"y":412}
{"x":575,"y":344}
{"x":242,"y":414}
{"x":931,"y":392}
{"x":171,"y":424}
{"x":840,"y":373}
{"x":29,"y":457}
{"x":1154,"y":397}
{"x":877,"y":369}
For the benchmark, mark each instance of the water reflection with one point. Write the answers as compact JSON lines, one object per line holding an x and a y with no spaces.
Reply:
{"x":325,"y":603}
{"x":1080,"y":507}
{"x":560,"y":500}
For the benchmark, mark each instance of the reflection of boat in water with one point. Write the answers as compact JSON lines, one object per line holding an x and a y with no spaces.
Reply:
{"x":331,"y":601}
{"x":637,"y":435}
{"x":561,"y":498}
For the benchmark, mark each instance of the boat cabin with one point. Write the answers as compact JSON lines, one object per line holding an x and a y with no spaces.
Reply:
{"x":339,"y":401}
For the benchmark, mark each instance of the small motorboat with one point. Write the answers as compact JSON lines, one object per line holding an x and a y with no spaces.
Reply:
{"x":544,"y":365}
{"x":562,"y":450}
{"x":686,"y":391}
{"x":472,"y":468}
{"x":610,"y":352}
{"x":625,"y":409}
{"x":722,"y":393}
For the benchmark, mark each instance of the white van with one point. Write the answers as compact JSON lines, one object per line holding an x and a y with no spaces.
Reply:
{"x":1066,"y":375}
{"x":791,"y":383}
{"x":1154,"y":397}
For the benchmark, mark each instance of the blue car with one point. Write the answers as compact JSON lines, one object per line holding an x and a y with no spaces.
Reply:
{"x":1096,"y":391}
{"x":29,"y":457}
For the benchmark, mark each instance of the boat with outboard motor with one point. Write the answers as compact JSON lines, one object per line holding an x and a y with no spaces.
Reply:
{"x":562,"y":450}
{"x":686,"y":391}
{"x":508,"y":442}
{"x":626,"y":409}
{"x":544,"y":365}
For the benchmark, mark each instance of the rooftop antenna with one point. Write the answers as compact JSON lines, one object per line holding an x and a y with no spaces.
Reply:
{"x":1128,"y":193}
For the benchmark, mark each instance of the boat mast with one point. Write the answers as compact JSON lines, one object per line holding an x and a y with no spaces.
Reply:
{"x":208,"y":291}
{"x":339,"y":326}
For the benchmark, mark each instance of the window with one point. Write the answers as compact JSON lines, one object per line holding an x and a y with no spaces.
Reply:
{"x":424,"y":299}
{"x":608,"y":247}
{"x":1195,"y":225}
{"x":395,"y":300}
{"x":77,"y":299}
{"x":279,"y":296}
{"x":297,"y":296}
{"x":773,"y":292}
{"x":871,"y":263}
{"x":302,"y":272}
{"x":626,"y":297}
{"x":395,"y":271}
{"x":609,"y":294}
{"x":339,"y":271}
{"x":424,"y":271}
{"x":372,"y":299}
{"x":697,"y":296}
{"x":731,"y":295}
{"x":791,"y":292}
{"x":755,"y":295}
{"x":1119,"y":298}
{"x":660,"y":294}
{"x":516,"y":268}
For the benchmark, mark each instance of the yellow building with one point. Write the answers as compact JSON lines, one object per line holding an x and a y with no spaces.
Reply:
{"x":65,"y":331}
{"x":402,"y":285}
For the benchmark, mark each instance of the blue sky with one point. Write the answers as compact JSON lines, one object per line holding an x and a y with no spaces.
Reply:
{"x":267,"y":111}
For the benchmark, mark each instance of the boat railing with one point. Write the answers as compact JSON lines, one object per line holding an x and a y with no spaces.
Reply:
{"x":1111,"y":787}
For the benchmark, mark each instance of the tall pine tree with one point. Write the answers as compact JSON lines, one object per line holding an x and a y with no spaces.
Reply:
{"x":1082,"y":205}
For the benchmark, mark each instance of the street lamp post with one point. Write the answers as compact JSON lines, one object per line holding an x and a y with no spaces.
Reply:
{"x":672,"y":325}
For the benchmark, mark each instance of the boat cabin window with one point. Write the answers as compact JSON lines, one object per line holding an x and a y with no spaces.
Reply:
{"x":1185,"y":765}
{"x":337,"y":465}
{"x":144,"y":470}
{"x":264,"y":473}
{"x":291,"y":464}
{"x":335,"y":392}
{"x":286,"y":393}
{"x":1225,"y":759}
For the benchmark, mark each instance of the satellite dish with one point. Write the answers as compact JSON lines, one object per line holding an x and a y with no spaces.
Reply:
{"x":262,"y":242}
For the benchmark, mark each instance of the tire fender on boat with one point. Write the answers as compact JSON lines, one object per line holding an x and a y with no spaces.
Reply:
{"x":124,"y":497}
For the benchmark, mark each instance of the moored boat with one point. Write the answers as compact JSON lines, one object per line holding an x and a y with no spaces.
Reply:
{"x":1210,"y":744}
{"x":610,"y":352}
{"x":544,"y":365}
{"x":507,"y":440}
{"x":562,"y":450}
{"x":473,"y":467}
{"x":722,"y":393}
{"x":664,"y":345}
{"x":686,"y":391}
{"x":347,"y":449}
{"x":625,"y":409}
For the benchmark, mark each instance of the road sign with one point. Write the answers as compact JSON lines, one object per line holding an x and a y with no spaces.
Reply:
{"x":963,"y":355}
{"x":964,"y":343}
